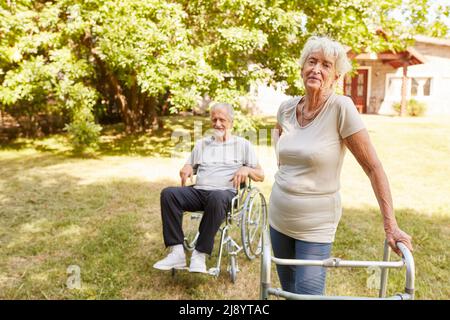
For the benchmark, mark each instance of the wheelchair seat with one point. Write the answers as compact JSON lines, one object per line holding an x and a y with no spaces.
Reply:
{"x":247,"y":216}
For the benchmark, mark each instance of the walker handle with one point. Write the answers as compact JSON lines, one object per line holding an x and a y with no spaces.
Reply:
{"x":410,"y":268}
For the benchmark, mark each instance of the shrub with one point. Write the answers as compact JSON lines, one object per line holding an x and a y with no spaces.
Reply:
{"x":414,"y":108}
{"x":84,"y":132}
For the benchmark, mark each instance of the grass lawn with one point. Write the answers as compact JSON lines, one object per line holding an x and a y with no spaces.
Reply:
{"x":102,"y":214}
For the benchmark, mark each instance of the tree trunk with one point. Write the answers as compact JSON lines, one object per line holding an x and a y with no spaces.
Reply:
{"x":165,"y":107}
{"x":123,"y":103}
{"x":134,"y":106}
{"x":153,"y":115}
{"x":145,"y":107}
{"x":115,"y":86}
{"x":404,"y":84}
{"x":132,"y":103}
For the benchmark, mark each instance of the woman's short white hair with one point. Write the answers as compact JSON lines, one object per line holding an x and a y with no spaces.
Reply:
{"x":332,"y":50}
{"x":226,"y":106}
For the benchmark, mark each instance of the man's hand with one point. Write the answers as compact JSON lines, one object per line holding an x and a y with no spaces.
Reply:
{"x":186,"y":172}
{"x":240,"y":176}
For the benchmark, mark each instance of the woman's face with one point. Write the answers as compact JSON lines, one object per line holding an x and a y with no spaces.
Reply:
{"x":318,"y":72}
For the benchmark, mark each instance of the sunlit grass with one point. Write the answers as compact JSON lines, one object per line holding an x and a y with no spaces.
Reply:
{"x":102,"y":214}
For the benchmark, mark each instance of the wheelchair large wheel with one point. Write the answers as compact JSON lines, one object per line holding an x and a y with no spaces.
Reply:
{"x":191,"y":222}
{"x":252,"y":223}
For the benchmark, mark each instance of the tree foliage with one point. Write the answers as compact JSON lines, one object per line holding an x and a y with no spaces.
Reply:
{"x":147,"y":57}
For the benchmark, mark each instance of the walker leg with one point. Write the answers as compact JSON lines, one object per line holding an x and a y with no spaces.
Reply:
{"x":385,"y":271}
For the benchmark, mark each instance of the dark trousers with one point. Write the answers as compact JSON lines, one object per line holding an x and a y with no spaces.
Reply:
{"x":176,"y":200}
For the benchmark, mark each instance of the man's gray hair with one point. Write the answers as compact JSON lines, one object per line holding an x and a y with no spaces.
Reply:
{"x":226,"y":106}
{"x":331,"y":49}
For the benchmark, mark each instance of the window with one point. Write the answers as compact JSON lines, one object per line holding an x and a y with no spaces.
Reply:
{"x":348,"y":85}
{"x":416,"y":87}
{"x":360,"y":87}
{"x":420,"y":87}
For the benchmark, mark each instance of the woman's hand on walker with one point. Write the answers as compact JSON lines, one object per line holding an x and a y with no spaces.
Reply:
{"x":394,"y":235}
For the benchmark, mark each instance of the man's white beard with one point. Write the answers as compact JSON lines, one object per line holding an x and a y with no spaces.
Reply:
{"x":219,"y":133}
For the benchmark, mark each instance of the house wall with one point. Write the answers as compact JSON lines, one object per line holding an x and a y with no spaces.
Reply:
{"x":268,"y":99}
{"x":436,"y":68}
{"x":376,"y":82}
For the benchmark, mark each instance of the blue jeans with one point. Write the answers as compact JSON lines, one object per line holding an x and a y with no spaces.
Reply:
{"x":300,"y":279}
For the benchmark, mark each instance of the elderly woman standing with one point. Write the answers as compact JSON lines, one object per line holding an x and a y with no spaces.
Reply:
{"x":315,"y":130}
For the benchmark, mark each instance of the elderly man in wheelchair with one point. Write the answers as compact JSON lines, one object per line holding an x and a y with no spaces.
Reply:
{"x":222,"y":163}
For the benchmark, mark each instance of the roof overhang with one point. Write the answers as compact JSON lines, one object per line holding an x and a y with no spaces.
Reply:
{"x":432,"y":40}
{"x":409,"y":57}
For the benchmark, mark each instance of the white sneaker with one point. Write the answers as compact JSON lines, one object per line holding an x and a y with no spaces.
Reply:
{"x":198,"y":262}
{"x":176,"y":259}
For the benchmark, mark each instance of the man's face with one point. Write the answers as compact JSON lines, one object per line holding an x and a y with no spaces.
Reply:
{"x":220,"y":121}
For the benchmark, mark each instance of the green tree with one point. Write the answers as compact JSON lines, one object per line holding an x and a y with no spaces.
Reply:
{"x":438,"y":25}
{"x":73,"y":56}
{"x":39,"y":71}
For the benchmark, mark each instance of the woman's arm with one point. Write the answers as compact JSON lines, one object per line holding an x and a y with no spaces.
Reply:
{"x":361,"y":147}
{"x":277,"y":133}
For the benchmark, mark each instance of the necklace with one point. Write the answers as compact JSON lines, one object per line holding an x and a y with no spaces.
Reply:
{"x":302,"y":113}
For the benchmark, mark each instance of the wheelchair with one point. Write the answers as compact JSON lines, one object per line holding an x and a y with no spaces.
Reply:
{"x":407,"y":262}
{"x":247,"y":216}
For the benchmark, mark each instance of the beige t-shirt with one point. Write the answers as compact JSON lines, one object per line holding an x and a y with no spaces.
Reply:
{"x":305,"y":202}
